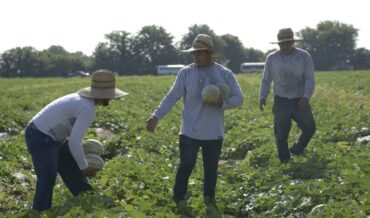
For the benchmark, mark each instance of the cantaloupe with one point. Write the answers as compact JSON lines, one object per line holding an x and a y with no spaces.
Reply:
{"x":92,"y":146}
{"x":210,"y":94}
{"x":224,"y":90}
{"x":94,"y":161}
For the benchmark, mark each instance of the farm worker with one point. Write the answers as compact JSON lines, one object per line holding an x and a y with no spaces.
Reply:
{"x":292,"y":71}
{"x":202,"y":123}
{"x":54,"y":138}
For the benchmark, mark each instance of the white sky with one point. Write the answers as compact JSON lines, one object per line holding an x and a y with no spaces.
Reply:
{"x":79,"y":25}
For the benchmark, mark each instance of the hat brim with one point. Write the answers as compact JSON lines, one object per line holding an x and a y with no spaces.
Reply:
{"x":287,"y":40}
{"x":102,"y":93}
{"x":214,"y":53}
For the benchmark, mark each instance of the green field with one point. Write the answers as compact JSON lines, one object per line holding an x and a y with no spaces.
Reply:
{"x":140,"y":167}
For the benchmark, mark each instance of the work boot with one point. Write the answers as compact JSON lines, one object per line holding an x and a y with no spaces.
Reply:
{"x":184,"y":209}
{"x":296,"y":150}
{"x":211,"y":208}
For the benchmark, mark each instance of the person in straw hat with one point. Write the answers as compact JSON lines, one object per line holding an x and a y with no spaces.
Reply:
{"x":202,"y":123}
{"x":54,"y":138}
{"x":292,"y":72}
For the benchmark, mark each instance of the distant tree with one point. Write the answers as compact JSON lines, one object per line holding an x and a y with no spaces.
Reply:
{"x":115,"y":54}
{"x":21,"y":62}
{"x":57,"y":65}
{"x":331,"y":44}
{"x":56,"y":50}
{"x":62,"y":65}
{"x":85,"y":59}
{"x":361,"y":59}
{"x":54,"y":61}
{"x":254,"y":55}
{"x":153,"y":46}
{"x":102,"y":57}
{"x":59,"y":62}
{"x":187,"y":41}
{"x":234,"y":52}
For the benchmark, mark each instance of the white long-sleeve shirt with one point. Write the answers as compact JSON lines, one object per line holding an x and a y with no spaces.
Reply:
{"x":292,"y":75}
{"x":68,"y":117}
{"x":199,"y":120}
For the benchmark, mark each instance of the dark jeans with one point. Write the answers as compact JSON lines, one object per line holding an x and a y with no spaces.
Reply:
{"x":211,"y":150}
{"x":285,"y":110}
{"x":49,"y":158}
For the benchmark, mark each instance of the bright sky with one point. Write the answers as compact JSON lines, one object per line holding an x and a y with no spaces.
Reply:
{"x":79,"y":25}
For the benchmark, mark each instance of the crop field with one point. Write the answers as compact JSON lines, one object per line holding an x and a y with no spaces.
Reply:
{"x":332,"y":179}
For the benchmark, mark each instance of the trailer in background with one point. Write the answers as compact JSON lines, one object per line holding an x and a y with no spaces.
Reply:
{"x":251,"y":67}
{"x":171,"y":69}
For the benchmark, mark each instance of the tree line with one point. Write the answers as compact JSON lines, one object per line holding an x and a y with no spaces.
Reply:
{"x":332,"y":45}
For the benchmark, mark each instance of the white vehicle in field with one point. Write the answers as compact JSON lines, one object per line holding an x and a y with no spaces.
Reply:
{"x":169,"y":69}
{"x":250,"y":67}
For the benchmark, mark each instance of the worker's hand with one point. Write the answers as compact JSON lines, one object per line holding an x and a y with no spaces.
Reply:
{"x":262,"y":104}
{"x":217,"y":103}
{"x":151,"y":123}
{"x":89,"y":171}
{"x":303,"y":103}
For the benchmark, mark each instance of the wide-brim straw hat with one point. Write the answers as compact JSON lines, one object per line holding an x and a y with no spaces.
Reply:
{"x":103,"y":86}
{"x":286,"y":35}
{"x":203,"y":42}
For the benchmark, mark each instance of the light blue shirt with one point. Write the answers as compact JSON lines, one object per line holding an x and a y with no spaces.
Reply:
{"x":69,"y":117}
{"x":292,"y":75}
{"x":200,"y":121}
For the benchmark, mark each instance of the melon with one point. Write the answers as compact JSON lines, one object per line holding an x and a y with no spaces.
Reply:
{"x":94,"y":161}
{"x":224,"y":90}
{"x":92,"y":146}
{"x":210,"y":94}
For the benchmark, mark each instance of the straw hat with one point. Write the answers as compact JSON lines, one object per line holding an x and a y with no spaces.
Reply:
{"x":203,"y":42}
{"x":286,"y":35}
{"x":103,"y":86}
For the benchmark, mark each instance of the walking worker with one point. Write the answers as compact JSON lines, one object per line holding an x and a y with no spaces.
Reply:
{"x":202,"y":123}
{"x":292,"y":72}
{"x":54,"y":138}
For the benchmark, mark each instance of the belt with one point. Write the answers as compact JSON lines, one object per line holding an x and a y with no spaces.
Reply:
{"x":284,"y":98}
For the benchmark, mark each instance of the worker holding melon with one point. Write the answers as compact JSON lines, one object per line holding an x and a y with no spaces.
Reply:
{"x":204,"y":102}
{"x":54,"y":138}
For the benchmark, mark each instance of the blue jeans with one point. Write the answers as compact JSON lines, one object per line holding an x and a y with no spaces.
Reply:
{"x":49,"y":158}
{"x":285,"y":110}
{"x":211,"y":151}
